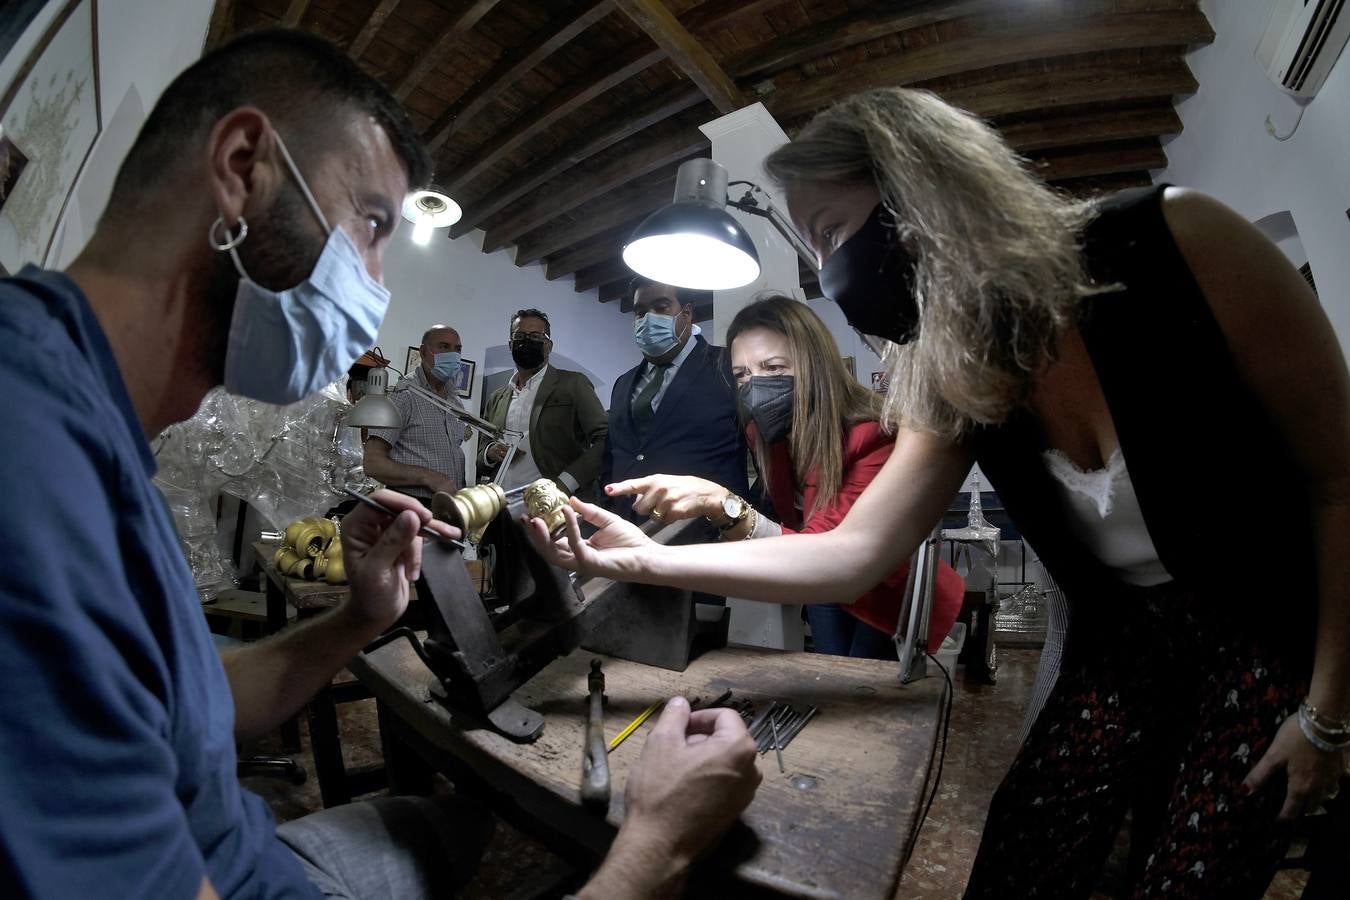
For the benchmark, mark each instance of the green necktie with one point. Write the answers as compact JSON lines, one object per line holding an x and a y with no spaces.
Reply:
{"x":642,"y":403}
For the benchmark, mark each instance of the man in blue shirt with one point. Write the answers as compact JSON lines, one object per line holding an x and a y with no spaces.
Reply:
{"x":242,"y":246}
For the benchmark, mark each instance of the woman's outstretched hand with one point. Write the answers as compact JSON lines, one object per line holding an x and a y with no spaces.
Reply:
{"x":669,"y":498}
{"x":617,"y":550}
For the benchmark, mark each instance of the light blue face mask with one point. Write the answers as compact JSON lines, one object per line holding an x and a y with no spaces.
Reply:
{"x":446,"y":365}
{"x":285,"y":345}
{"x":655,"y":334}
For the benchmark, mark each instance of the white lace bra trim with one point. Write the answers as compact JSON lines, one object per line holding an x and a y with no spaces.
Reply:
{"x":1098,"y":485}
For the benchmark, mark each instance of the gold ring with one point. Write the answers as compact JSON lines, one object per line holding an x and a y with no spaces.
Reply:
{"x":657,"y":515}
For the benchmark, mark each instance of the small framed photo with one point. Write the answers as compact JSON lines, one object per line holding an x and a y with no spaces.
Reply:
{"x":414,"y":360}
{"x":880,"y":383}
{"x":852,"y":365}
{"x":464,"y":378}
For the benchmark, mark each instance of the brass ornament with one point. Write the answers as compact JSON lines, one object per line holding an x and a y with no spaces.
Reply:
{"x":473,"y":508}
{"x":545,"y":500}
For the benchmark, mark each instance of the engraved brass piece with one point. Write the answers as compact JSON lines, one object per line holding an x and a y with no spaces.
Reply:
{"x":545,"y":500}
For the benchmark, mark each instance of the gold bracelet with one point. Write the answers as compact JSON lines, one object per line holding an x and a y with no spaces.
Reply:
{"x":753,"y":519}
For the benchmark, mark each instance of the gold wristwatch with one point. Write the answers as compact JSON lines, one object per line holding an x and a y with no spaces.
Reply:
{"x":734,"y":511}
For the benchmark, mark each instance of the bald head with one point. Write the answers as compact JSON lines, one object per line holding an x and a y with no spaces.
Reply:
{"x":441,"y":334}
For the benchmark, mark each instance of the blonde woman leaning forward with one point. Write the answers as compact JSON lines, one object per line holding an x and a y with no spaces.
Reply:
{"x":1151,"y":388}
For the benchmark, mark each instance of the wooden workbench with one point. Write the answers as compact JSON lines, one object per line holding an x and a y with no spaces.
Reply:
{"x":838,"y":823}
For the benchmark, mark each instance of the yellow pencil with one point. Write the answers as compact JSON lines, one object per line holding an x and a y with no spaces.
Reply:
{"x":633,"y":725}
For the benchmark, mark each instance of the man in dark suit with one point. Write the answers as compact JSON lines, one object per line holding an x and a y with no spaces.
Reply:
{"x":675,"y":413}
{"x":563,"y":421}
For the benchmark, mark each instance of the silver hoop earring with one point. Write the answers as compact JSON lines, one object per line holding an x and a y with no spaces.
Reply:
{"x":227,"y":242}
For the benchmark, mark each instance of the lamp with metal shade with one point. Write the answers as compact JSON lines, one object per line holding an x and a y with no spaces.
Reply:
{"x":695,"y":243}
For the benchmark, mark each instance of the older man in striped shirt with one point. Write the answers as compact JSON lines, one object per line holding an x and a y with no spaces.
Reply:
{"x":423,"y":455}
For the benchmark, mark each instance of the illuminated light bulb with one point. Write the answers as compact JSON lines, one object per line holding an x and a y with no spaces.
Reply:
{"x":422,"y":231}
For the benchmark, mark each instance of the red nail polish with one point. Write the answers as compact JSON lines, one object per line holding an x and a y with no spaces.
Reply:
{"x":609,"y":489}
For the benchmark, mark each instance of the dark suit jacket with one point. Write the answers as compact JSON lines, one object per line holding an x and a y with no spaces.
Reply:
{"x":567,"y":427}
{"x":695,"y":430}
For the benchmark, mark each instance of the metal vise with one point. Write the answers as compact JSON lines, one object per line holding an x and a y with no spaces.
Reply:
{"x":480,"y":659}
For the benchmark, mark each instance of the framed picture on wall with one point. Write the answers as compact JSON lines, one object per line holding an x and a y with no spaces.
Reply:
{"x":50,"y":118}
{"x":852,"y":365}
{"x":414,"y":360}
{"x":464,"y":379}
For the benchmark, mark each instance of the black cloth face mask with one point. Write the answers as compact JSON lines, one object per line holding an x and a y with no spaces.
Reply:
{"x":766,"y":400}
{"x":871,"y":278}
{"x":528,"y":354}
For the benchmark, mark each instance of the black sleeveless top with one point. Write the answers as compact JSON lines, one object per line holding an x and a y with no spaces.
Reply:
{"x":1223,"y":501}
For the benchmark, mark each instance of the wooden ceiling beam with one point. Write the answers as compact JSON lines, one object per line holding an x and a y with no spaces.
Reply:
{"x":1096,"y":127}
{"x":685,"y":51}
{"x":1103,"y":161}
{"x":222,"y":24}
{"x":713,"y":14}
{"x":624,"y":205}
{"x":605,"y":134}
{"x":594,"y":250}
{"x":513,"y":64}
{"x":553,"y":108}
{"x":1075,"y":87}
{"x":372,"y":27}
{"x":545,"y":206}
{"x":1035,"y":40}
{"x":294,"y":13}
{"x":614,"y":290}
{"x":463,"y":23}
{"x":1106,"y":184}
{"x":602,"y":273}
{"x":848,"y":30}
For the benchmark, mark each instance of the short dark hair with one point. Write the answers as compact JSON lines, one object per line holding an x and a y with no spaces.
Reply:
{"x":531,"y":313}
{"x":292,"y":76}
{"x":685,"y":296}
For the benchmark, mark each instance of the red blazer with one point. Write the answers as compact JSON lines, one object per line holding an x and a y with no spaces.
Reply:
{"x":866,"y":449}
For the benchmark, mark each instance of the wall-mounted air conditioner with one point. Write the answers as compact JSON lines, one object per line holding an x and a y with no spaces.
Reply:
{"x":1302,"y":42}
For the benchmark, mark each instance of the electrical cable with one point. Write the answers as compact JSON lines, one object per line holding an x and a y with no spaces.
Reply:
{"x":942,"y":756}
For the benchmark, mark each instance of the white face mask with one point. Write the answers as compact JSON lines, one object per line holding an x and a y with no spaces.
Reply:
{"x":285,"y":345}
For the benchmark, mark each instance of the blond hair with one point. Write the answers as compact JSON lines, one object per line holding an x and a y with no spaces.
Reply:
{"x":826,"y":399}
{"x":999,"y":268}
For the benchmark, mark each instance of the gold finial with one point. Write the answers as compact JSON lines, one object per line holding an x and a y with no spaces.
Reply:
{"x":545,"y":500}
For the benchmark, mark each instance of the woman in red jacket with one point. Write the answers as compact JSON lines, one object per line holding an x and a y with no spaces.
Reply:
{"x":818,"y":444}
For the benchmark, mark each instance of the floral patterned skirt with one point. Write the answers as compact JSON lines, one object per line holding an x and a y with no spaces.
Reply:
{"x":1164,"y":718}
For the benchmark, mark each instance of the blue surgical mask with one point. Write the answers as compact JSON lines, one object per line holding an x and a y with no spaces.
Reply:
{"x":285,"y":345}
{"x":445,"y":365}
{"x":655,"y":334}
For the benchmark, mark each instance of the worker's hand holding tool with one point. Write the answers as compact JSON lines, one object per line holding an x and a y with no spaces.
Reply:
{"x":383,"y":554}
{"x":697,"y":773}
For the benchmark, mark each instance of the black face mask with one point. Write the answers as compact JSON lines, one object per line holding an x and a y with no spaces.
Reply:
{"x":766,"y":400}
{"x":871,"y":278}
{"x":528,"y":354}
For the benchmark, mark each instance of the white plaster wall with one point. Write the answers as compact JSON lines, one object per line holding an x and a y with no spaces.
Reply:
{"x":1225,"y":150}
{"x":142,"y":46}
{"x":455,"y":283}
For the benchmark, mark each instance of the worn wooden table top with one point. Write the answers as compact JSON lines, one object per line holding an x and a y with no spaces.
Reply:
{"x":298,"y":592}
{"x":838,"y":823}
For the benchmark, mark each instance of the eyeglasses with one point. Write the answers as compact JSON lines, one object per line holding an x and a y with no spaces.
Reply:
{"x":533,"y":337}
